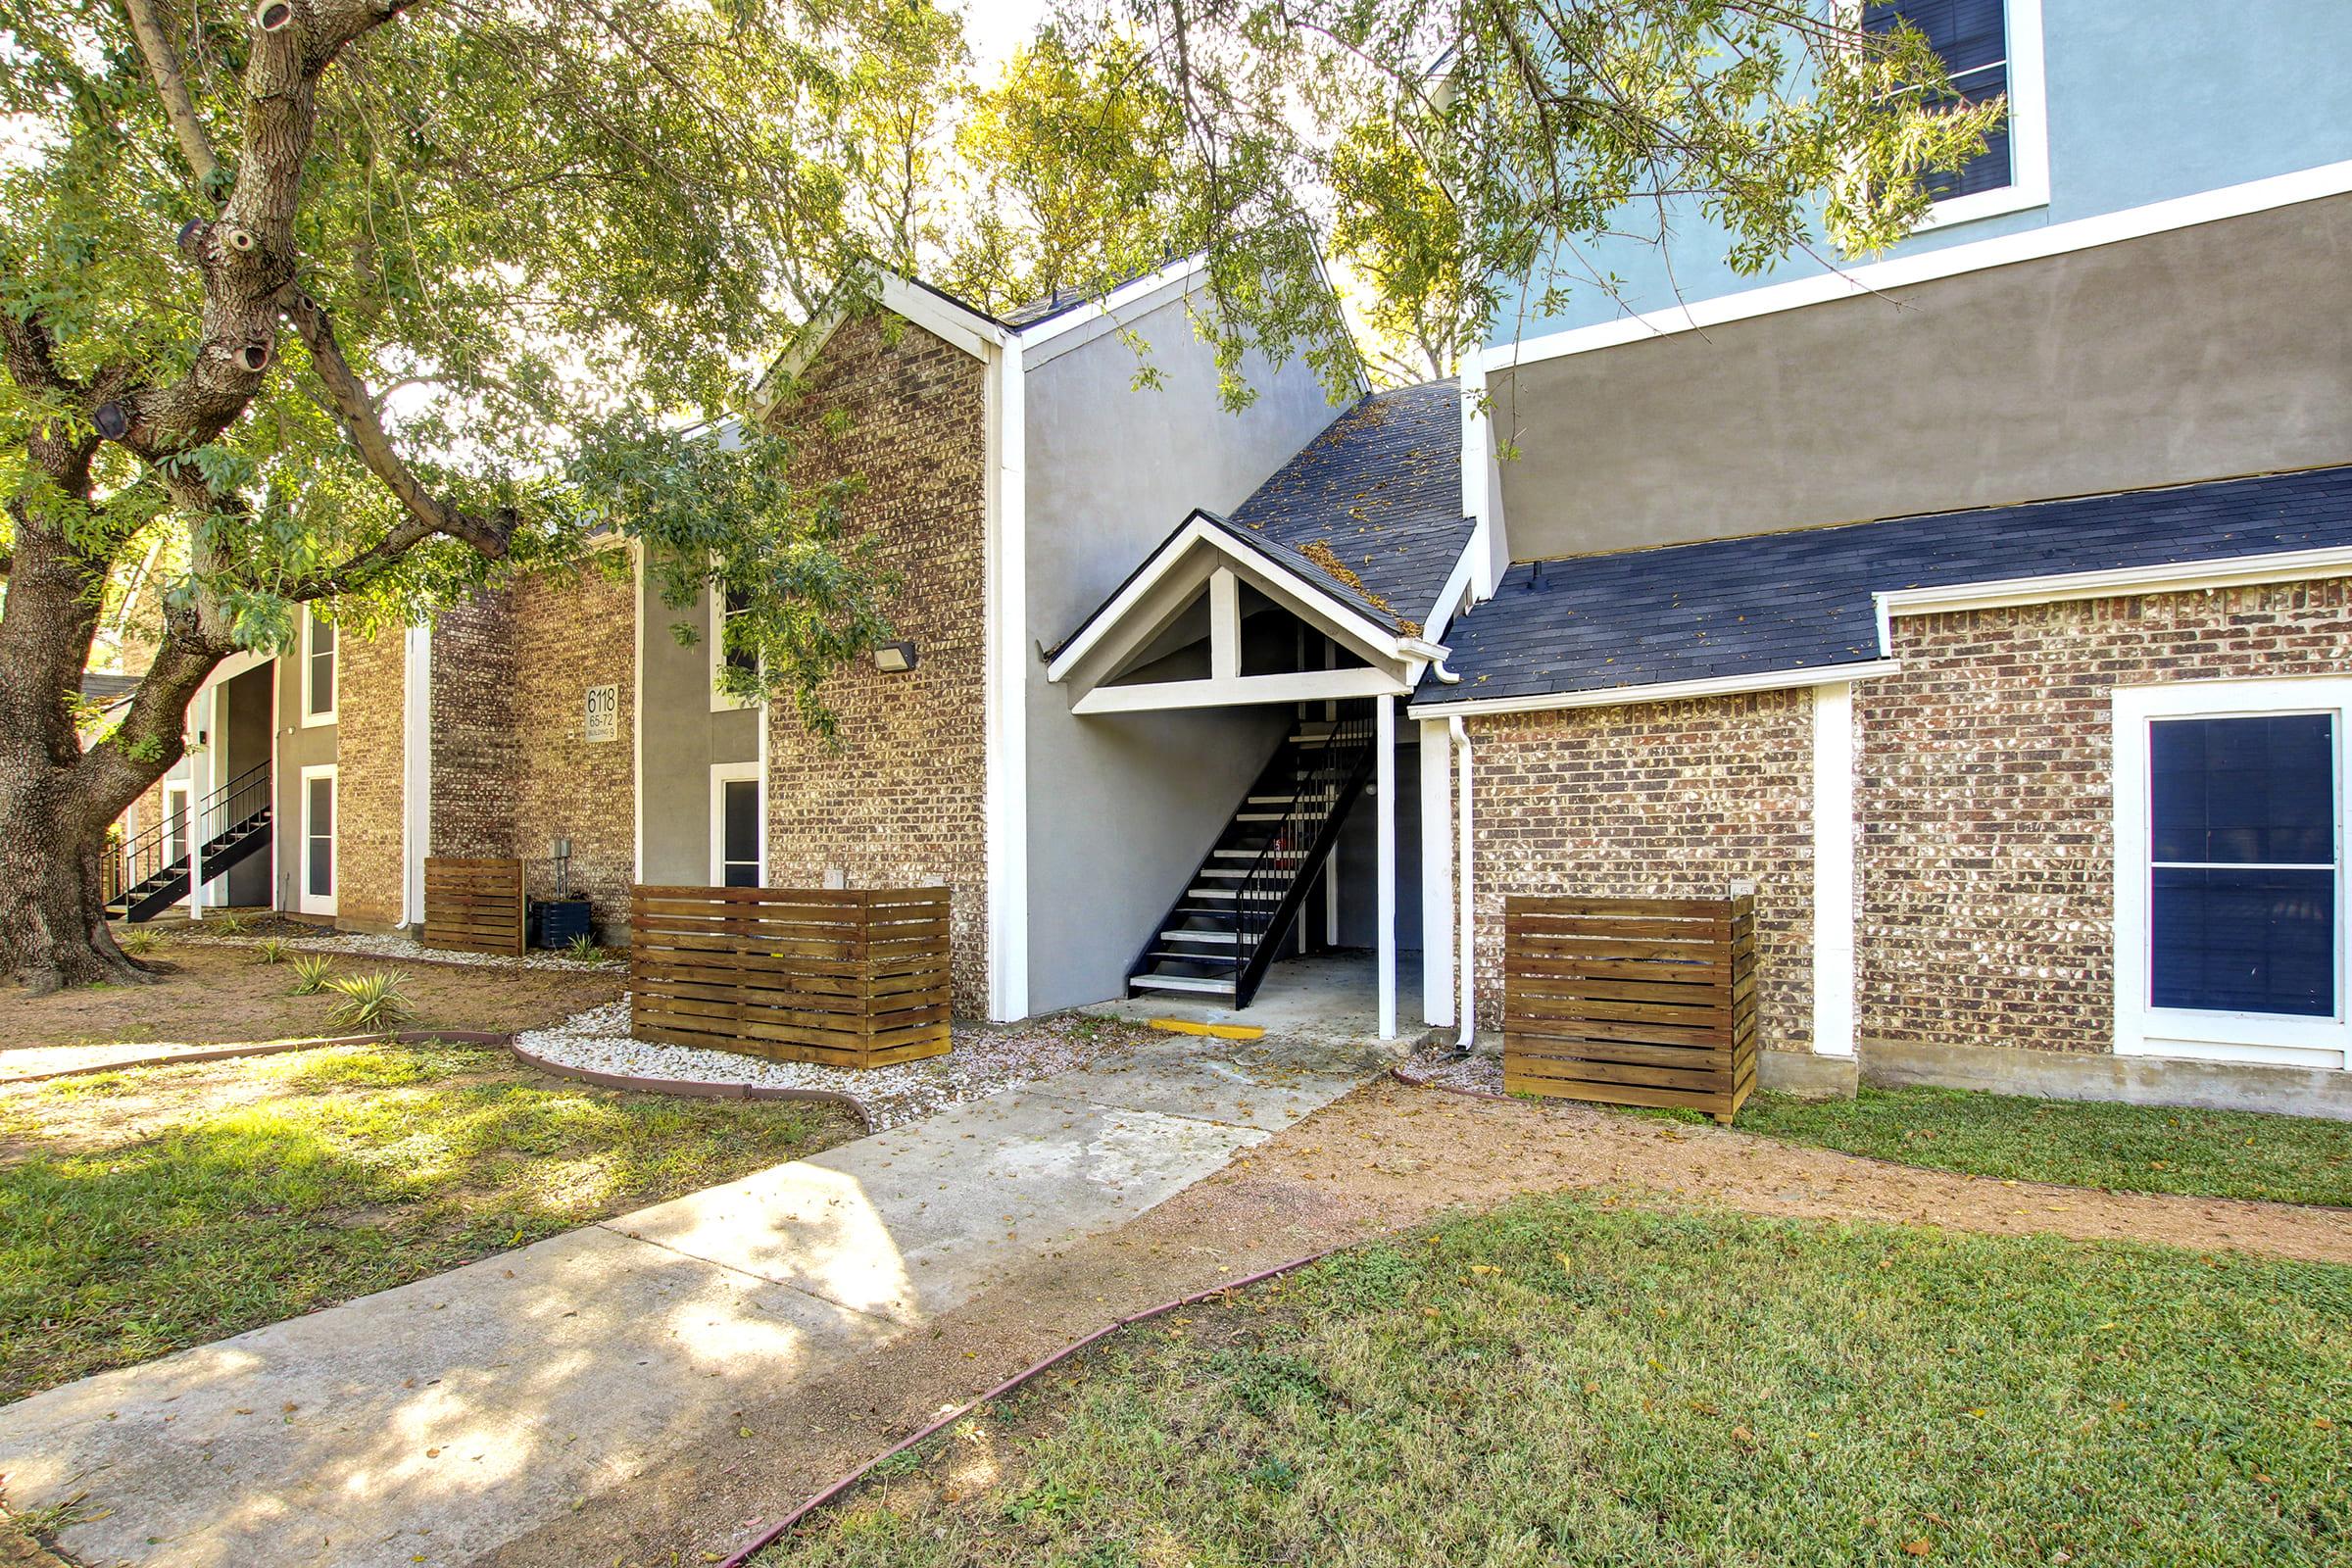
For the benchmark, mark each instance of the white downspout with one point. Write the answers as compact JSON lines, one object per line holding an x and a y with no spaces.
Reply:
{"x":1466,"y":1032}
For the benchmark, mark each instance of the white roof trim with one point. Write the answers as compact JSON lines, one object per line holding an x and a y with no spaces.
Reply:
{"x":943,"y":317}
{"x":1136,"y":289}
{"x":2192,"y":576}
{"x":1198,"y":529}
{"x":2082,"y":233}
{"x":1767,"y":680}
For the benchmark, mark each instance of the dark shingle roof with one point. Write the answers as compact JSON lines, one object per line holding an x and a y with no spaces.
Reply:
{"x":1803,"y":600}
{"x":104,"y":689}
{"x":1377,"y":497}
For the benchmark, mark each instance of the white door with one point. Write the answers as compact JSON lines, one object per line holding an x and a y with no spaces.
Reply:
{"x":316,"y":894}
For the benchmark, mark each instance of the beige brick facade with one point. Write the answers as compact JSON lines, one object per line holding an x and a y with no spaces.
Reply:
{"x":474,"y":757}
{"x":1655,"y":800}
{"x":901,"y":800}
{"x":574,"y":630}
{"x":369,"y":703}
{"x":1984,"y":767}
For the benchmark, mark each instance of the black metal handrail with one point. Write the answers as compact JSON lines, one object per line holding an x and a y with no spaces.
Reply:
{"x":220,"y":814}
{"x":1263,"y":891}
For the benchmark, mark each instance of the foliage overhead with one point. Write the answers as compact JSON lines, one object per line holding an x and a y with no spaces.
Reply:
{"x":533,"y":237}
{"x":1462,"y":158}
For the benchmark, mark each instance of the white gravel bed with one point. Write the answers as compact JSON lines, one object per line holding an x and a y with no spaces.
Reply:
{"x":1443,"y":1070}
{"x":404,"y":950}
{"x":983,"y":1061}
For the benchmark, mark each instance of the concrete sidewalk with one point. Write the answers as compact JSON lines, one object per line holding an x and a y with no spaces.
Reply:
{"x":429,"y":1423}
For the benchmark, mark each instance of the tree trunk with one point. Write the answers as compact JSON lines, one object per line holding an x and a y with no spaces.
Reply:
{"x":53,"y":930}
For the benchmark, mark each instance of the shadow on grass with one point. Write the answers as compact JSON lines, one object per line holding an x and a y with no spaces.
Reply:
{"x":358,"y":1169}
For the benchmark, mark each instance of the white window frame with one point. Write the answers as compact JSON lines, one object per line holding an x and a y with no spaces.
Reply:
{"x":2029,"y":184}
{"x":312,"y":717}
{"x":721,"y":702}
{"x":2144,"y":1030}
{"x":721,"y":775}
{"x":305,"y":901}
{"x":185,"y":790}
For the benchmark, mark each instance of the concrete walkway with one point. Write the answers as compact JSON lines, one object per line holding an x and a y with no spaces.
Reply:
{"x":432,"y":1422}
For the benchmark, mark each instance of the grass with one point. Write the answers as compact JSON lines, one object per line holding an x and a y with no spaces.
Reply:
{"x":152,"y":1208}
{"x":1562,"y":1381}
{"x":2124,"y":1148}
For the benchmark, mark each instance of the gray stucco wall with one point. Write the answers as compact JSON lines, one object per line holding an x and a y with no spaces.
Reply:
{"x":2203,"y":352}
{"x":1121,"y":808}
{"x":683,"y":739}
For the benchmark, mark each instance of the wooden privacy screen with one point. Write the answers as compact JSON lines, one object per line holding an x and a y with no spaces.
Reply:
{"x":852,"y":979}
{"x":473,"y":905}
{"x":1631,"y":1001}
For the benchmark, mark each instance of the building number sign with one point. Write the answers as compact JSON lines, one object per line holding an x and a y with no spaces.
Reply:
{"x":601,"y":714}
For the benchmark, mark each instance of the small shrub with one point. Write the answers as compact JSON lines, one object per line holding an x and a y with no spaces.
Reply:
{"x":370,"y":1001}
{"x":271,"y":950}
{"x":583,"y":948}
{"x":141,"y":943}
{"x":311,"y":972}
{"x":231,"y":924}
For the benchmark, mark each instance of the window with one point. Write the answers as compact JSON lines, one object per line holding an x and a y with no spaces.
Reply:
{"x":728,"y":604}
{"x":317,"y":893}
{"x":317,"y":669}
{"x":738,"y":854}
{"x":2229,"y":897}
{"x":175,"y":822}
{"x":1990,"y":49}
{"x":2241,"y":855}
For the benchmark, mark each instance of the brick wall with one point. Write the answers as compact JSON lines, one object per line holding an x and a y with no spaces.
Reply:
{"x":901,"y":800}
{"x":1655,"y":800}
{"x":474,"y":760}
{"x":1988,"y":843}
{"x":574,"y":630}
{"x":370,"y":695}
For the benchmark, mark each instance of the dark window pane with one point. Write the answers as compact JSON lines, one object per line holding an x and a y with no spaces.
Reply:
{"x":2248,"y":941}
{"x":2248,"y":790}
{"x":741,"y":808}
{"x":1970,"y":38}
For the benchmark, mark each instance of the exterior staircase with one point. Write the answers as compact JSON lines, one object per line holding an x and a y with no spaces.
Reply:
{"x":234,"y":820}
{"x":1221,"y":933}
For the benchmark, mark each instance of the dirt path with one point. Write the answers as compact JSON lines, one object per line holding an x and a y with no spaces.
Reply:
{"x":1385,"y":1157}
{"x":217,"y":994}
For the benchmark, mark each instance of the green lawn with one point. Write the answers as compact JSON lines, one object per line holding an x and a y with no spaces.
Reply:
{"x":2126,"y":1149}
{"x":1564,"y":1383}
{"x":157,"y":1207}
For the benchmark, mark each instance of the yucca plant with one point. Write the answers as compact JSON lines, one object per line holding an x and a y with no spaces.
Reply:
{"x":272,"y":949}
{"x":231,"y":924}
{"x":311,"y":974}
{"x":372,"y":1001}
{"x":138,"y":944}
{"x":583,"y":949}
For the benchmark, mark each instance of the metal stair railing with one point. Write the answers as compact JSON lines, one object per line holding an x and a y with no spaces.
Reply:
{"x":1267,"y":896}
{"x":232,"y":808}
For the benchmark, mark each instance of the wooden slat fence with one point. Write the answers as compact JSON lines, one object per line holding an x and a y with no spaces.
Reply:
{"x":1631,"y":1001}
{"x":473,"y":905}
{"x":855,"y":978}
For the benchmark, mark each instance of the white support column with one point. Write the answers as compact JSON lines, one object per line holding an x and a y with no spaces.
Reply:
{"x":1224,"y":625}
{"x":1437,"y":875}
{"x":1834,"y":869}
{"x":1384,"y":783}
{"x":203,"y":779}
{"x":417,"y":771}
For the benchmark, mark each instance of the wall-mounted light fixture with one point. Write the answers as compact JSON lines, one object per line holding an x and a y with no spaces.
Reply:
{"x":894,"y":659}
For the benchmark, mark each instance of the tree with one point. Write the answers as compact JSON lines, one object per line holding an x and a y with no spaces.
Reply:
{"x":363,"y":304}
{"x":1464,"y":155}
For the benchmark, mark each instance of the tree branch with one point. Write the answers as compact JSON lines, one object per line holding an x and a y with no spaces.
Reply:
{"x":365,"y":427}
{"x":162,"y":64}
